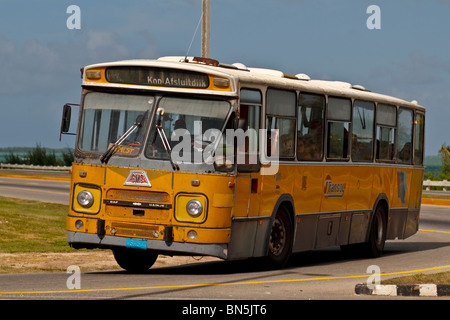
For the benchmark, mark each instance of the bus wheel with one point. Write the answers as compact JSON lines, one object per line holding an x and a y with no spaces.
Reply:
{"x":377,"y":236}
{"x":280,"y":240}
{"x":135,"y":260}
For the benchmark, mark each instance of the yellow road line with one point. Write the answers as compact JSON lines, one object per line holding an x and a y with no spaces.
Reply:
{"x":225,"y":283}
{"x":436,"y":202}
{"x":425,"y":230}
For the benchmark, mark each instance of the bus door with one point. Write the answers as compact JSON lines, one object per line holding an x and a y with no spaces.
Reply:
{"x":247,"y":184}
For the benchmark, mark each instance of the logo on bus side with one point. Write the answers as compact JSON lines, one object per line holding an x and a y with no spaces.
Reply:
{"x":137,"y":178}
{"x":333,"y":190}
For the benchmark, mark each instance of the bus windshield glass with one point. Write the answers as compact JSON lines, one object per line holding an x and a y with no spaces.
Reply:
{"x":186,"y":121}
{"x":107,"y":117}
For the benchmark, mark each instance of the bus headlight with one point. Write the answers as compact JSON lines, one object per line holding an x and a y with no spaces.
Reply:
{"x":191,"y":207}
{"x":194,"y":208}
{"x":85,"y":199}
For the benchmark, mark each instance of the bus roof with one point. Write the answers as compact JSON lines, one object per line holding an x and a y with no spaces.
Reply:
{"x":238,"y":72}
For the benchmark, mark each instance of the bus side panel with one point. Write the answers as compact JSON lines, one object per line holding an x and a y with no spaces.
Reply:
{"x":255,"y":197}
{"x":360,"y":188}
{"x":328,"y":230}
{"x":383,"y":183}
{"x":335,"y":184}
{"x":305,"y":238}
{"x":242,"y":240}
{"x":358,"y":228}
{"x":308,"y":188}
{"x":308,"y":193}
{"x":416,"y":188}
{"x":412,"y":223}
{"x":399,"y":212}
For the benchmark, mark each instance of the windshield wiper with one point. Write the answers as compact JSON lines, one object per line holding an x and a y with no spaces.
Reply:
{"x":113,"y":148}
{"x":165,"y":141}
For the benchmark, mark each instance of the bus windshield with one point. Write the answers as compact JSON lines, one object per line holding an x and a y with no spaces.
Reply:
{"x":188,"y":122}
{"x":107,"y":117}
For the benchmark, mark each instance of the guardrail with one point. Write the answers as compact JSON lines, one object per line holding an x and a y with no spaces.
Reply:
{"x":429,"y":183}
{"x":426,"y":183}
{"x":33,"y":167}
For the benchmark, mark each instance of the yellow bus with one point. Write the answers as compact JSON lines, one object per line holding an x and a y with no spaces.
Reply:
{"x":310,"y":163}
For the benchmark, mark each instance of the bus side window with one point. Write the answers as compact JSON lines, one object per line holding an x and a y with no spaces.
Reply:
{"x":249,"y":122}
{"x":362,"y":131}
{"x":338,"y":116}
{"x":386,"y":124}
{"x":419,"y":138}
{"x":405,"y":129}
{"x":310,"y":118}
{"x":281,"y":116}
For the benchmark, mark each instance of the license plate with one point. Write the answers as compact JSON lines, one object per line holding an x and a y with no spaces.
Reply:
{"x":136,"y":243}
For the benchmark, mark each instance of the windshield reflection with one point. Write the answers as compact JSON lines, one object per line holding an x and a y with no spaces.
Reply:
{"x":185,"y":121}
{"x":107,"y":117}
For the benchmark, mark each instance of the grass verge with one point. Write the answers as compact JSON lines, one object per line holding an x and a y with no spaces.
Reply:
{"x":32,"y":226}
{"x":435,"y":278}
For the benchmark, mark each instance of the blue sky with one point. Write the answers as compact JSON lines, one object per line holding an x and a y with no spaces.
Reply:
{"x":40,"y":58}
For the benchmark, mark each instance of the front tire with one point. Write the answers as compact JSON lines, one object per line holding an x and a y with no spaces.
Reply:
{"x":135,"y":260}
{"x":280,"y":239}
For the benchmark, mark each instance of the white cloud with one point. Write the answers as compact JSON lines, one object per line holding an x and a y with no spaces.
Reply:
{"x":105,"y":46}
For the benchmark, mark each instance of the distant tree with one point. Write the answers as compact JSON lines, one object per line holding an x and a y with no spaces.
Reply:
{"x":68,"y":158}
{"x":12,"y":158}
{"x":445,"y":158}
{"x":39,"y":157}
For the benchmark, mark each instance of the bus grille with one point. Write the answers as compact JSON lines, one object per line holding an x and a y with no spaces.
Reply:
{"x":132,"y":230}
{"x":135,"y":195}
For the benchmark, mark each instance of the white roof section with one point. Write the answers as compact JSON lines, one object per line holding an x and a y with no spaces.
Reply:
{"x":238,"y":72}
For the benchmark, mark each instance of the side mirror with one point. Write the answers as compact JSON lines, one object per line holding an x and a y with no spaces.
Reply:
{"x":65,"y":122}
{"x":66,"y":117}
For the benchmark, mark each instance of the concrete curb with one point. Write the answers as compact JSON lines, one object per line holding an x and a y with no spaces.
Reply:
{"x":415,"y":290}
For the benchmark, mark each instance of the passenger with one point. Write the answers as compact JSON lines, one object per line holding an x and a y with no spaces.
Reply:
{"x":405,"y":154}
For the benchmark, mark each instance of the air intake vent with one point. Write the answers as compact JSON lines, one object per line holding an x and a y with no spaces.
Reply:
{"x":359,"y":87}
{"x":302,"y":76}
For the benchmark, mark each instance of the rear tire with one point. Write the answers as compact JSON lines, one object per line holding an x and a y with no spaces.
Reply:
{"x":135,"y":260}
{"x":280,"y":240}
{"x":377,"y":236}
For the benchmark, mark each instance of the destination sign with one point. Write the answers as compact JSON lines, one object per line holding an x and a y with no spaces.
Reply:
{"x":160,"y":77}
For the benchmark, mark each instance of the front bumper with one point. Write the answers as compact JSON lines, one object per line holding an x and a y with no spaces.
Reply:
{"x":177,"y":248}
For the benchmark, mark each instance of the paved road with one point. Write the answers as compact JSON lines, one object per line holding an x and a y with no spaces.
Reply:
{"x":56,"y":191}
{"x":321,"y":274}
